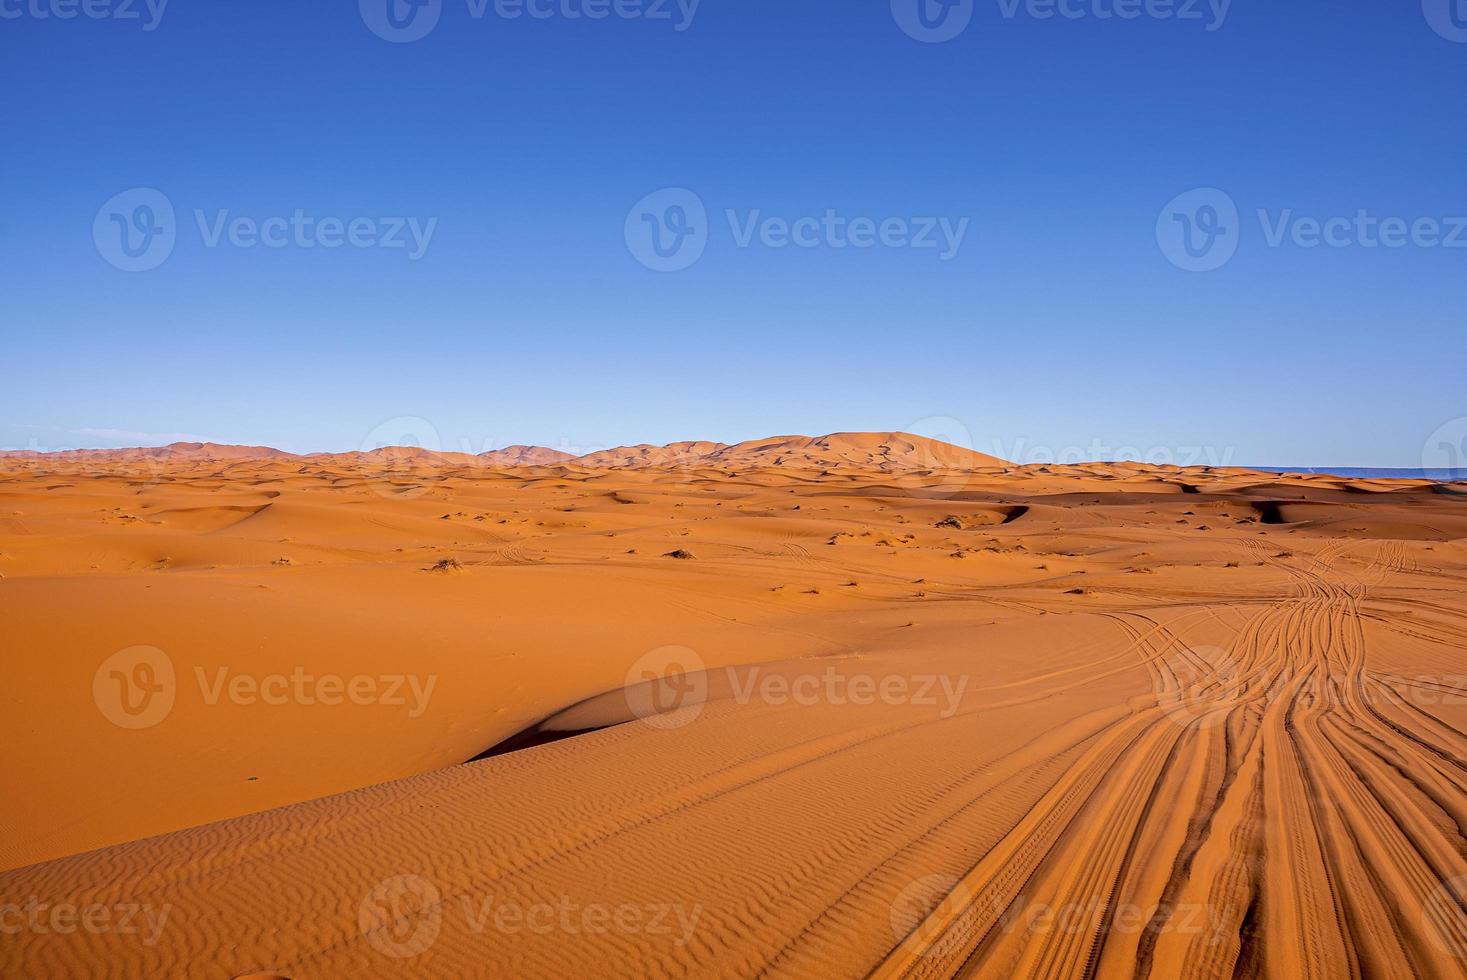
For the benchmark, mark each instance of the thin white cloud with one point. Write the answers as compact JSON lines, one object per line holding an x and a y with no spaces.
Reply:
{"x":54,"y":438}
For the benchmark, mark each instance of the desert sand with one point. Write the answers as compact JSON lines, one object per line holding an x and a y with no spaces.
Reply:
{"x":860,"y":705}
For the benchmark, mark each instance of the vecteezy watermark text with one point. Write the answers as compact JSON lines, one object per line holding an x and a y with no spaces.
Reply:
{"x":569,"y":917}
{"x":832,"y":230}
{"x":298,"y":687}
{"x":137,"y":230}
{"x":935,"y":21}
{"x":939,"y":914}
{"x":837,"y":687}
{"x":1213,"y":14}
{"x":405,"y":21}
{"x":98,"y":918}
{"x":138,"y":688}
{"x":668,"y":687}
{"x":1022,"y":453}
{"x":302,"y":230}
{"x":1362,"y":229}
{"x":668,"y":231}
{"x":403,"y":916}
{"x":148,"y":13}
{"x":1202,"y":230}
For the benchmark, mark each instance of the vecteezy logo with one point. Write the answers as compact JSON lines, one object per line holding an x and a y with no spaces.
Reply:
{"x":667,"y":687}
{"x":922,"y":911}
{"x":135,"y":231}
{"x":402,"y":437}
{"x":396,"y":446}
{"x":1200,"y":686}
{"x":943,"y":459}
{"x":667,"y":230}
{"x":932,"y":21}
{"x":1198,"y":231}
{"x":401,"y":21}
{"x":135,"y":688}
{"x":401,"y":916}
{"x":1448,"y":18}
{"x":1446,"y":449}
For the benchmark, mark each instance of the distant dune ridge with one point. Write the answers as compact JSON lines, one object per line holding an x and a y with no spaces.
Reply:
{"x":175,"y":451}
{"x":525,"y":456}
{"x":673,"y":454}
{"x":871,"y":451}
{"x":879,"y":451}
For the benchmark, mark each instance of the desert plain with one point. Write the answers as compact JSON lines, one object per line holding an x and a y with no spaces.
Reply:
{"x":858,"y":705}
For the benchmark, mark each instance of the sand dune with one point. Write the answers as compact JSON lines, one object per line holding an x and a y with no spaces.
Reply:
{"x":525,"y":456}
{"x":175,"y":452}
{"x":868,"y":451}
{"x":673,"y":454}
{"x":899,"y":710}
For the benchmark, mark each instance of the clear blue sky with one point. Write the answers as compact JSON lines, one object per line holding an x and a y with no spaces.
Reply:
{"x":1059,"y":323}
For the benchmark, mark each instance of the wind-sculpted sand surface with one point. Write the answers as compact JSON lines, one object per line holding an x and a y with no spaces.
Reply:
{"x":833,"y":716}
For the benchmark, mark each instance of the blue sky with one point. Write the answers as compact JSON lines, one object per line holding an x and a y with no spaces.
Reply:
{"x":1061,"y":323}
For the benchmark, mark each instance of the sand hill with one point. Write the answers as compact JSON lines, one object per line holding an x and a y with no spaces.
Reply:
{"x":880,"y":452}
{"x":672,"y":455}
{"x":178,"y":451}
{"x":525,"y":456}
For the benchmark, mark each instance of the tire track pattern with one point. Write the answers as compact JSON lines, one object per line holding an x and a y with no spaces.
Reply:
{"x":1326,"y":840}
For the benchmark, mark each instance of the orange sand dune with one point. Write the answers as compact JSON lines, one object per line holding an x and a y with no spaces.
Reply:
{"x":176,"y":452}
{"x":673,"y":454}
{"x":858,"y":705}
{"x":868,"y":451}
{"x":525,"y":456}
